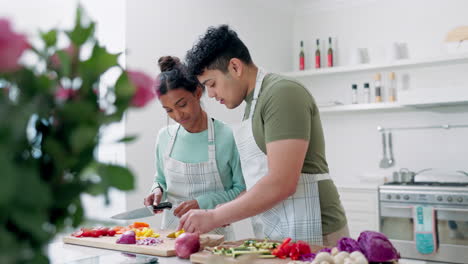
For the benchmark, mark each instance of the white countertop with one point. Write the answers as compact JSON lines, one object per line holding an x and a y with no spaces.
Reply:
{"x":60,"y":253}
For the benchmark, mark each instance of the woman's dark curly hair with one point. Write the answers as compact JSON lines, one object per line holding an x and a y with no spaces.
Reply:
{"x":174,"y":75}
{"x":215,"y":49}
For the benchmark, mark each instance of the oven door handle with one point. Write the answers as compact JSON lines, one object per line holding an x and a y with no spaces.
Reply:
{"x":452,"y":210}
{"x":437,"y":209}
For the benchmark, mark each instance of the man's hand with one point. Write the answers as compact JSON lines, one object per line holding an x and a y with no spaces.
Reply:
{"x":199,"y":221}
{"x":154,"y":199}
{"x":184,"y":207}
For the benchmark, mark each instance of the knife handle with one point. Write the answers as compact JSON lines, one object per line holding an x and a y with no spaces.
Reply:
{"x":163,"y":205}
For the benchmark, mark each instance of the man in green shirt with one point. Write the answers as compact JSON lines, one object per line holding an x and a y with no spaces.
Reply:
{"x":280,"y":143}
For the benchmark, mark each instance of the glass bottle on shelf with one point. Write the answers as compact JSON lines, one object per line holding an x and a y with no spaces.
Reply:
{"x":392,"y":87}
{"x":330,"y":53}
{"x":354,"y":94}
{"x":317,"y":55}
{"x":378,"y":88}
{"x":302,"y":57}
{"x":366,"y":93}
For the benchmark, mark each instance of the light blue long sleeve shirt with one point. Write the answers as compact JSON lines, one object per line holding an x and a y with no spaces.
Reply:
{"x":193,"y":148}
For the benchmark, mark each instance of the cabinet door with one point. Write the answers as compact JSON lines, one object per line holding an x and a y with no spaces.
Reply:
{"x":361,"y":209}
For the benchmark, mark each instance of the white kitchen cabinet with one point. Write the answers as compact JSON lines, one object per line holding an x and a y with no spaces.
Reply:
{"x":361,"y":207}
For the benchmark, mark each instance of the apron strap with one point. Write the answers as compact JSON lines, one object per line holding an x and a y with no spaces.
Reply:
{"x":171,"y":142}
{"x":211,"y":140}
{"x":258,"y":87}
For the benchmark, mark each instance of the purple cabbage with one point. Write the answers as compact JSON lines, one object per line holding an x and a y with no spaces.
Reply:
{"x":348,"y":244}
{"x":307,"y":257}
{"x":376,"y":247}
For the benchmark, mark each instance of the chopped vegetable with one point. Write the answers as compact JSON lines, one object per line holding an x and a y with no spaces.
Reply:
{"x":347,"y":244}
{"x":149,"y":241}
{"x":298,"y":249}
{"x":139,"y":225}
{"x":128,"y":237}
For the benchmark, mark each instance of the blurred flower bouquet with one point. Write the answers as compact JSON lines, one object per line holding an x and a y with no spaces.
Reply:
{"x":51,"y":114}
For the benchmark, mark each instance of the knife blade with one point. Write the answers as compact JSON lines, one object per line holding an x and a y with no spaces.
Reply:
{"x":142,"y":212}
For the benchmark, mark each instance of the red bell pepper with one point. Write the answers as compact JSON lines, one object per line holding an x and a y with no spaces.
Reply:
{"x":298,"y":249}
{"x":282,"y":251}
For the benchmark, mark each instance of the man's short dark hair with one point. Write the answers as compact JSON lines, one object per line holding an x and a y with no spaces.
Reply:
{"x":215,"y":49}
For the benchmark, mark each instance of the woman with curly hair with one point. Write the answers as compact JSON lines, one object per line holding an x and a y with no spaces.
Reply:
{"x":281,"y":147}
{"x":197,"y":161}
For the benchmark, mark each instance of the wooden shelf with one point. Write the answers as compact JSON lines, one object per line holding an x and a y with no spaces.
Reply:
{"x":400,"y":64}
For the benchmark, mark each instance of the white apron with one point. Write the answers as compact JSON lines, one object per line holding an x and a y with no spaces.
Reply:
{"x":297,"y":217}
{"x":186,"y":181}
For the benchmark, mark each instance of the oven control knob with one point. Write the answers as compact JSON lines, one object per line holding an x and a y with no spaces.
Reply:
{"x":398,"y":197}
{"x":389,"y":197}
{"x":460,"y":199}
{"x":449,"y":198}
{"x":406,"y":197}
{"x":439,"y":198}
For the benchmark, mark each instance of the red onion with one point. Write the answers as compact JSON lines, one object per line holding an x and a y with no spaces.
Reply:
{"x":187,"y":244}
{"x":127,"y":238}
{"x":150,"y":241}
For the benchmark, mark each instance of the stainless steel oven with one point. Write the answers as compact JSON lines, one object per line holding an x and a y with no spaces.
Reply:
{"x":450,"y":201}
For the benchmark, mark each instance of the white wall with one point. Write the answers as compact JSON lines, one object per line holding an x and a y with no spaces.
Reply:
{"x":352,"y":142}
{"x":29,"y":17}
{"x":158,"y":28}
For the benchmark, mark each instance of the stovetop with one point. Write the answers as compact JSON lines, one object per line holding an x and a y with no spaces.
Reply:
{"x":434,"y":193}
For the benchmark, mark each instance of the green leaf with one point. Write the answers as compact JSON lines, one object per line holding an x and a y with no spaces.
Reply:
{"x":117,"y":176}
{"x":124,"y":91}
{"x":77,"y":112}
{"x":99,"y":62}
{"x":30,"y":220}
{"x":109,"y":175}
{"x":50,"y":37}
{"x":80,"y":33}
{"x":54,"y":149}
{"x":9,"y":178}
{"x":65,"y":62}
{"x":127,"y":139}
{"x":78,"y":216}
{"x":34,"y":192}
{"x":83,"y":137}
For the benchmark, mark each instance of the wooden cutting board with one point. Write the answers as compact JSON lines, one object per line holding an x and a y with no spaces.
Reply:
{"x":165,"y":249}
{"x":206,"y":256}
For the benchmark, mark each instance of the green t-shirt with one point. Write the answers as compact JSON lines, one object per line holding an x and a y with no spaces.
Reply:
{"x":193,"y":148}
{"x":286,"y":110}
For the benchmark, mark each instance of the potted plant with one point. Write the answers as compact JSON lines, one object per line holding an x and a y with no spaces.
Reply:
{"x":51,"y":114}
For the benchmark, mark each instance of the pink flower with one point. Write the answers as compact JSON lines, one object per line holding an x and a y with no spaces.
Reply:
{"x":63,"y":94}
{"x":12,"y":46}
{"x":144,"y":86}
{"x":55,"y":60}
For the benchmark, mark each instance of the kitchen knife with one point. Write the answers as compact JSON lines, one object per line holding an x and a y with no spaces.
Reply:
{"x":142,"y":212}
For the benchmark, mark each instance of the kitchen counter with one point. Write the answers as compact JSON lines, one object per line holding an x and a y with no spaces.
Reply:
{"x":60,"y":253}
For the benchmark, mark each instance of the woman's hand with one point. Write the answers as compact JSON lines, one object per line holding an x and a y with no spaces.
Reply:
{"x":154,"y":199}
{"x":185,"y":207}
